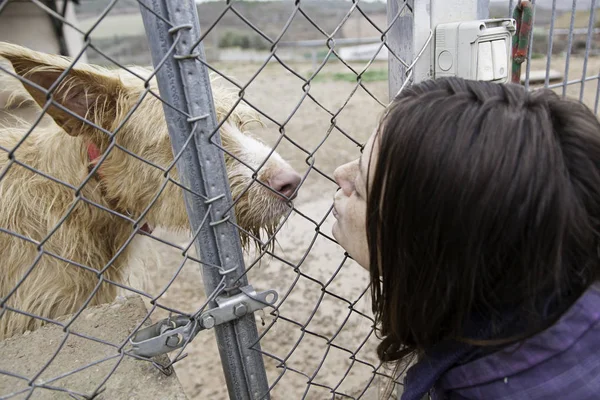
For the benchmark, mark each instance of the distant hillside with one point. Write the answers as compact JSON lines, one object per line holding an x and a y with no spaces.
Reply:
{"x":121,"y":32}
{"x":268,"y":16}
{"x":271,"y":16}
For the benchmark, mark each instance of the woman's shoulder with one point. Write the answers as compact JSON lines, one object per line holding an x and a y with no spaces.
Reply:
{"x":560,"y":362}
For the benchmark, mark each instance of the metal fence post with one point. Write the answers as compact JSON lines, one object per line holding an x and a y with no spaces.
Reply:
{"x":400,"y":41}
{"x":184,"y":84}
{"x":407,"y":37}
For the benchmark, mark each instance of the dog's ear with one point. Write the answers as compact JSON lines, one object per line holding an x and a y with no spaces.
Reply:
{"x":89,"y":93}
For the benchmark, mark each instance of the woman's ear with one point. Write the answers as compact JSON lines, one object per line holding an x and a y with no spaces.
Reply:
{"x":88,"y":93}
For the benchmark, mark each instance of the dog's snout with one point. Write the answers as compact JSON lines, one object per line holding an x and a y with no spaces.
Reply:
{"x":286,"y":182}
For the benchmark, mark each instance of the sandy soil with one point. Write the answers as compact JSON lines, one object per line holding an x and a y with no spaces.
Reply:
{"x":313,"y":364}
{"x":71,"y":371}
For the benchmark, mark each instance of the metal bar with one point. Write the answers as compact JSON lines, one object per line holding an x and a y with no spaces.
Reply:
{"x":588,"y":46}
{"x":530,"y":47}
{"x":184,"y":84}
{"x":576,"y":31}
{"x":573,"y":82}
{"x":569,"y":47}
{"x":550,"y":45}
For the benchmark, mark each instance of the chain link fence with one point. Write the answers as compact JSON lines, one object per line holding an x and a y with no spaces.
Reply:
{"x":120,"y":183}
{"x":315,"y":334}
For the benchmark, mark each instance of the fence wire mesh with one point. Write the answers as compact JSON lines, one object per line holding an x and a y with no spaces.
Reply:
{"x":317,"y":340}
{"x":91,"y":199}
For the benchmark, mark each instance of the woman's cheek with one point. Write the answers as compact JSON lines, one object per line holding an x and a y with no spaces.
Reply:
{"x":357,"y":212}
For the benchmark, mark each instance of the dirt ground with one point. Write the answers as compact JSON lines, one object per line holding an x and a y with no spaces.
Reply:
{"x":326,"y":361}
{"x":72,"y":369}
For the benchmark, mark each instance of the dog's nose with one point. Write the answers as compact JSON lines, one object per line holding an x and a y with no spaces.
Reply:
{"x":286,"y":182}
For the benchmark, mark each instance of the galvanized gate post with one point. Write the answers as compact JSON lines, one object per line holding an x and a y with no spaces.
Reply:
{"x":400,"y":39}
{"x":184,"y":85}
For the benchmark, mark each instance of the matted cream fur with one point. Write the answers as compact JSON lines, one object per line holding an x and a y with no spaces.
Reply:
{"x":62,"y":278}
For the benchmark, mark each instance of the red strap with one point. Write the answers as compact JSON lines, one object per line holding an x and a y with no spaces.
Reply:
{"x":93,"y":152}
{"x":146,"y":228}
{"x":93,"y":155}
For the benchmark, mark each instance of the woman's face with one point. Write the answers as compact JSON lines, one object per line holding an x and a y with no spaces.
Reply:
{"x":350,"y":204}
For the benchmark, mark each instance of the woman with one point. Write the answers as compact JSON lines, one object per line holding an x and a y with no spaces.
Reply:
{"x":476,"y":208}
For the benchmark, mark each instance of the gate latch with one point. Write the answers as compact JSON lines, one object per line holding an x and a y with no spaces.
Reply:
{"x":174,"y":332}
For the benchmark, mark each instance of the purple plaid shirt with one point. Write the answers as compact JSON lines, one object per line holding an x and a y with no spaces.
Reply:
{"x":562,"y":362}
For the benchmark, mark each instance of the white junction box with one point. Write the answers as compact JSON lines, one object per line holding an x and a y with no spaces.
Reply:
{"x":479,"y":50}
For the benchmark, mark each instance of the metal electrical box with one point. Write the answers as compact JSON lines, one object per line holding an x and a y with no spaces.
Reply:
{"x":479,"y":50}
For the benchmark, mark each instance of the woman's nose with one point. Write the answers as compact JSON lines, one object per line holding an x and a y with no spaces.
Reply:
{"x":341,"y":178}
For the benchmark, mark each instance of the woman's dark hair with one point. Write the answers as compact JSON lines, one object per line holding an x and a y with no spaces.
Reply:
{"x":484,"y":198}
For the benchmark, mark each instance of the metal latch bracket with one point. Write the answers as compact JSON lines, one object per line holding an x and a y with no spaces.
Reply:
{"x":172,"y":333}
